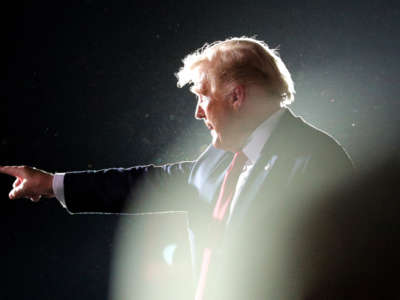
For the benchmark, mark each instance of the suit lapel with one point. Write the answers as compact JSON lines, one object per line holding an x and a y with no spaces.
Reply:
{"x":266,"y":166}
{"x":208,"y":173}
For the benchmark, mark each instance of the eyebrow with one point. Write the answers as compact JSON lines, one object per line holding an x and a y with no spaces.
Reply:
{"x":199,"y":89}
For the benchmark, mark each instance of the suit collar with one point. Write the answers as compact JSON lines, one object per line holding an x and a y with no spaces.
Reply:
{"x":284,"y":131}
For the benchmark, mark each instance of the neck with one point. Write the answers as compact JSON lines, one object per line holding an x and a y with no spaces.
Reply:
{"x":250,"y":122}
{"x":260,"y":105}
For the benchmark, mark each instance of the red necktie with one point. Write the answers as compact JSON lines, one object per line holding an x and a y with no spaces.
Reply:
{"x":224,"y":199}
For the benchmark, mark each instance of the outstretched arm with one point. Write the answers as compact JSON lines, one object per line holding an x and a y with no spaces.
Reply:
{"x":137,"y":189}
{"x":29,"y":182}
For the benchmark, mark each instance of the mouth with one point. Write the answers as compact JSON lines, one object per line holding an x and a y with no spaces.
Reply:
{"x":209,"y":126}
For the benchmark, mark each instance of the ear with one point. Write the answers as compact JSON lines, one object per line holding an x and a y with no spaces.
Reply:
{"x":238,"y":96}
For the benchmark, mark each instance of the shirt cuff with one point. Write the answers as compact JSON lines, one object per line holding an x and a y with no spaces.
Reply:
{"x":58,"y":188}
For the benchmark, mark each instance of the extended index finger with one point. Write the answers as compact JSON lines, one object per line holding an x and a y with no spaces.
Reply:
{"x":16,"y":171}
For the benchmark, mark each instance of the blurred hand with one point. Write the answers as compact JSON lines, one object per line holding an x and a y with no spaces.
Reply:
{"x":30,"y":182}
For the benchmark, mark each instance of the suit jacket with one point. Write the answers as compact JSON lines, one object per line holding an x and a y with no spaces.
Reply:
{"x":297,"y":162}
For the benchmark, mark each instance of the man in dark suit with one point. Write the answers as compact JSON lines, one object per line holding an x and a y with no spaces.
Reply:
{"x":243,"y":90}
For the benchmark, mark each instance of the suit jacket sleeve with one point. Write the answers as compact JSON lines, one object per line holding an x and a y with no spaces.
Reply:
{"x":132,"y":190}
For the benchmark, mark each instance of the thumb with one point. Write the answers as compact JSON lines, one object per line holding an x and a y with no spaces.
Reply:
{"x":18,"y":191}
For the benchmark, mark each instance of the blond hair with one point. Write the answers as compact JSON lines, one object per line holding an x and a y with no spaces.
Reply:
{"x":241,"y":60}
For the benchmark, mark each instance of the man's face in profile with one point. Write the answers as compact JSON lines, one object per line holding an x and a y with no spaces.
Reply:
{"x":218,"y":114}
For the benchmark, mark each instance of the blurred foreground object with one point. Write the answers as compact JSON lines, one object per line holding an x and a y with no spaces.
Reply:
{"x":339,"y":245}
{"x":153,"y":260}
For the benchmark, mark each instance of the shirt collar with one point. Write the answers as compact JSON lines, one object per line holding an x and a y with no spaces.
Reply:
{"x":260,"y":136}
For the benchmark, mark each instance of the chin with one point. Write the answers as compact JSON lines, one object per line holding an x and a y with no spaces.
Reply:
{"x":220,"y":145}
{"x":217,"y":144}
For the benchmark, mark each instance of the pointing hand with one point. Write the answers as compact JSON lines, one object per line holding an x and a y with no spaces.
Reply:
{"x":30,"y":182}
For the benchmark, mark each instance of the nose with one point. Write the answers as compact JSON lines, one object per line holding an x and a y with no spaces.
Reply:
{"x":199,"y":113}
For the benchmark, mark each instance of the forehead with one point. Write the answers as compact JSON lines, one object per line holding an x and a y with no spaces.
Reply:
{"x":203,"y":82}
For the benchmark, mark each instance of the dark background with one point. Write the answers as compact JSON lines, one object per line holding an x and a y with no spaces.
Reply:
{"x":90,"y":84}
